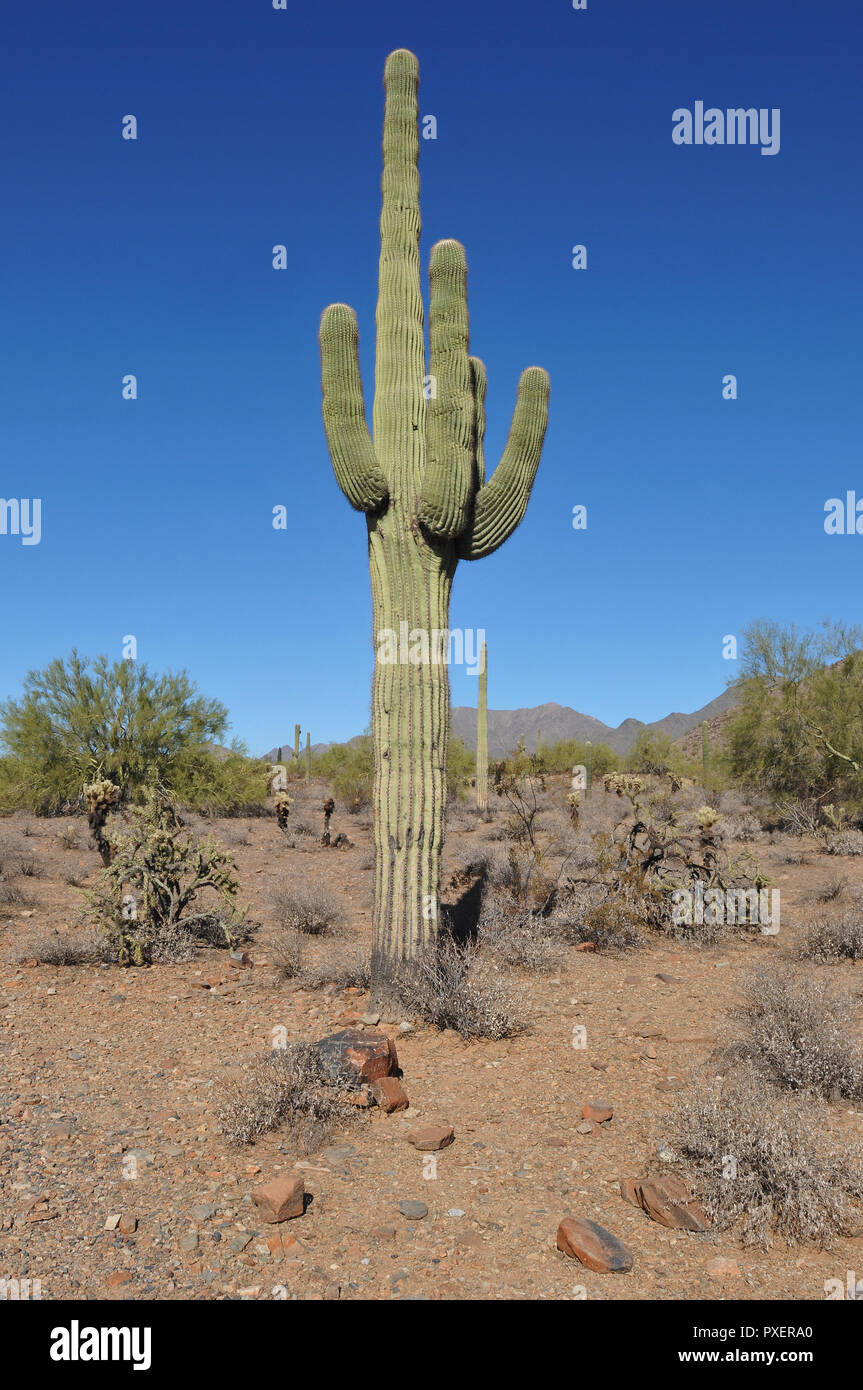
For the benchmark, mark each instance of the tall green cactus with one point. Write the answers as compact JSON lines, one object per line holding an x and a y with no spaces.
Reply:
{"x":420,"y":480}
{"x":482,"y":732}
{"x":296,"y":743}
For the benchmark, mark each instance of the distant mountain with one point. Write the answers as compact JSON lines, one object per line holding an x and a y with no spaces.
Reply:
{"x":557,"y":722}
{"x":554,"y":722}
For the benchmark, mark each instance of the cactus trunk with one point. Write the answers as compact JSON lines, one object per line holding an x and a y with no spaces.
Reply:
{"x":296,"y":743}
{"x":420,"y":480}
{"x":482,"y":733}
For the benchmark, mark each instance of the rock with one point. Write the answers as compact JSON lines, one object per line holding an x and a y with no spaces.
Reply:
{"x":203,"y":1212}
{"x":356,"y":1055}
{"x":111,"y":1223}
{"x":189,"y":1242}
{"x":414,"y":1211}
{"x":239,"y":1242}
{"x":333,"y":1291}
{"x":666,"y":979}
{"x":405,"y":1027}
{"x":389,"y":1095}
{"x":370,"y":1019}
{"x":127,"y":1224}
{"x":594,"y":1246}
{"x":666,"y":1200}
{"x":385,"y":1233}
{"x":432,"y":1137}
{"x":281,"y":1199}
{"x":120,"y":1276}
{"x":584,"y":1128}
{"x":586,"y":946}
{"x":597,"y":1110}
{"x":723,"y":1270}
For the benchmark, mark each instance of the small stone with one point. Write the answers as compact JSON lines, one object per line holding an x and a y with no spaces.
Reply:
{"x":666,"y":979}
{"x":239,"y":1242}
{"x":405,"y":1027}
{"x":597,"y":1110}
{"x":365,"y":1056}
{"x":204,"y":1212}
{"x":385,"y":1233}
{"x":668,"y":1201}
{"x":111,"y":1223}
{"x":584,"y":1128}
{"x":281,"y":1199}
{"x":586,"y":946}
{"x":333,"y":1291}
{"x":455,"y":1211}
{"x":594,"y":1246}
{"x":414,"y":1211}
{"x":370,"y":1019}
{"x":189,"y":1242}
{"x":128,"y":1224}
{"x":120,"y":1276}
{"x":431,"y":1137}
{"x":389,"y":1095}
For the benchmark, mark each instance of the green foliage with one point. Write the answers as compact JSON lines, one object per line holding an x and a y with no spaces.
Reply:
{"x":142,"y":900}
{"x":572,"y":752}
{"x":654,"y":754}
{"x":798,"y":729}
{"x":79,"y":719}
{"x":460,"y":766}
{"x":349,"y":768}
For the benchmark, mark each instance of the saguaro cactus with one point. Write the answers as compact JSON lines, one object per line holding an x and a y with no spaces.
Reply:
{"x":482,"y":733}
{"x":421,"y":483}
{"x":296,"y":743}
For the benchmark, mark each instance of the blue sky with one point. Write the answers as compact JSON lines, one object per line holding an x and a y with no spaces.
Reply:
{"x":259,"y":127}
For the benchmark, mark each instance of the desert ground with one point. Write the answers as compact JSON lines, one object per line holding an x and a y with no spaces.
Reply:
{"x":103,"y":1064}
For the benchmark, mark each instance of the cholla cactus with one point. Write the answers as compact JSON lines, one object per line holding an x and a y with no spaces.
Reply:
{"x":421,"y":484}
{"x":624,"y":784}
{"x":283,"y":809}
{"x":100,"y":799}
{"x":707,"y":818}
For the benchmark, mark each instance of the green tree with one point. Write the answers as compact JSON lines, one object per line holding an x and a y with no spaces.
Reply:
{"x":798,"y":730}
{"x":80,"y":718}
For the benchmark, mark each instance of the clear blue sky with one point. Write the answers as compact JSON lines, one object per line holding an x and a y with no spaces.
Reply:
{"x":259,"y":126}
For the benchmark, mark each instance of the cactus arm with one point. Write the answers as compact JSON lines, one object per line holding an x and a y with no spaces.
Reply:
{"x":398,"y":419}
{"x":448,"y":479}
{"x":478,"y":383}
{"x":502,"y":502}
{"x":351,"y":450}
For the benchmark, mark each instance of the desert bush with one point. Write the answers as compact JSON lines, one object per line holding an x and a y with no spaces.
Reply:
{"x":844,"y":842}
{"x":351,"y":970}
{"x":86,"y":946}
{"x":69,"y":836}
{"x":12,"y":895}
{"x":288,"y":1086}
{"x":834,"y":934}
{"x":516,"y":937}
{"x":798,"y":1033}
{"x":143,"y":899}
{"x":309,"y":908}
{"x":449,"y":987}
{"x":607,"y":922}
{"x":744,"y":827}
{"x":830,"y":889}
{"x":790,"y":1179}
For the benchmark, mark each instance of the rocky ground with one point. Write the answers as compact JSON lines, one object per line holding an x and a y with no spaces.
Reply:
{"x":115,"y":1182}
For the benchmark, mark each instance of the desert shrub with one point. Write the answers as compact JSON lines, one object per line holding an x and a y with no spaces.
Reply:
{"x":13,"y":896}
{"x":350,"y":770}
{"x":288,"y":1086}
{"x":460,"y":766}
{"x":832,"y":888}
{"x":69,"y":836}
{"x":516,"y":937}
{"x":834,"y":934}
{"x":73,"y":877}
{"x":29,"y":867}
{"x":608,"y":923}
{"x":797,"y":1032}
{"x":143,"y":899}
{"x":790,"y":1178}
{"x":351,"y":970}
{"x":844,"y":842}
{"x":744,"y":827}
{"x":286,"y":950}
{"x":87,"y":946}
{"x":309,"y":908}
{"x":448,"y":987}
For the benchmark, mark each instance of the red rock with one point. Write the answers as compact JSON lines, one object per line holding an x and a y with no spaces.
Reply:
{"x":281,"y":1199}
{"x":586,"y":946}
{"x":120,"y":1276}
{"x":594,"y":1246}
{"x":389,"y":1095}
{"x":127,"y":1225}
{"x":597,"y":1110}
{"x":668,"y":1201}
{"x":369,"y":1056}
{"x":432,"y":1137}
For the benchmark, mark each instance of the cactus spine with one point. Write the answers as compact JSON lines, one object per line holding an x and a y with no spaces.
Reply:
{"x":588,"y":768}
{"x":482,"y":733}
{"x":420,"y":480}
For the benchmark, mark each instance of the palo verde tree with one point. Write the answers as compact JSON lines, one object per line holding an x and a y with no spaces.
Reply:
{"x":419,"y":477}
{"x":79,"y":720}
